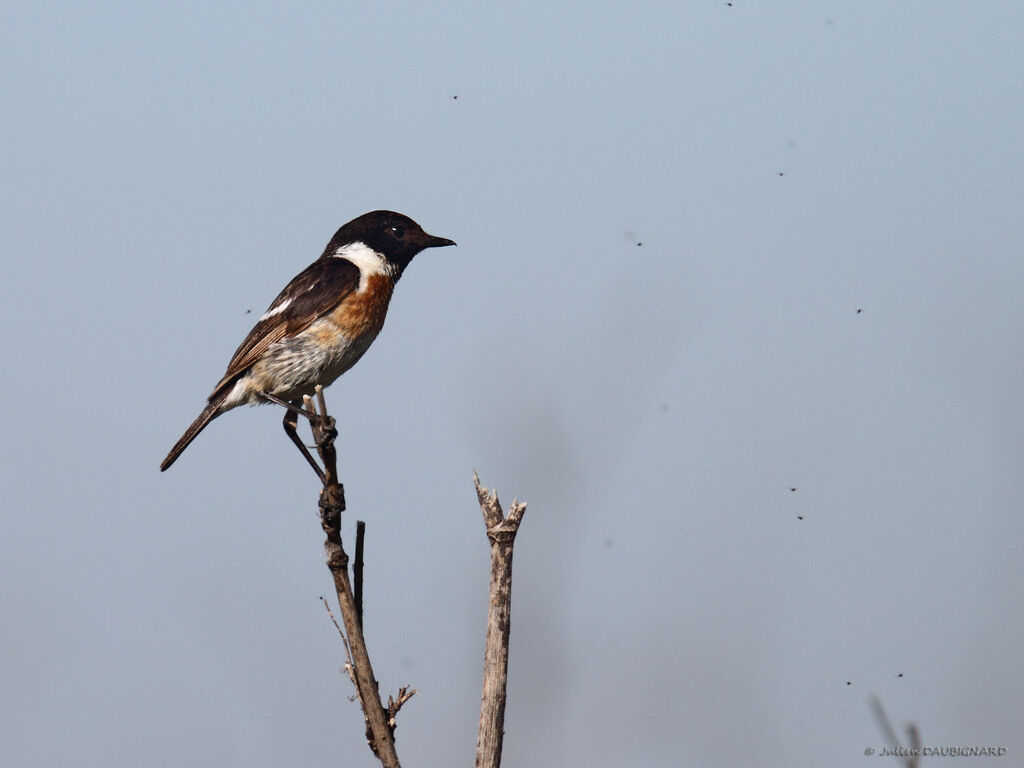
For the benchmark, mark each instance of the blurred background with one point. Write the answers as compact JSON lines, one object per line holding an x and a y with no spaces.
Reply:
{"x":735,"y":308}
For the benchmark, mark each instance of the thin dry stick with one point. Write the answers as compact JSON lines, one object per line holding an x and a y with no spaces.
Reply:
{"x":357,"y":569}
{"x":380,"y":723}
{"x":349,"y":668}
{"x":501,"y":531}
{"x":911,"y":760}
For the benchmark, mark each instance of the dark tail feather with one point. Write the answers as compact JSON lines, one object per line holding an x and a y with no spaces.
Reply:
{"x":210,"y":412}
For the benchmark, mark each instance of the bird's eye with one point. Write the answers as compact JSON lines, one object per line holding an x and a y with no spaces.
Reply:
{"x":398,"y":231}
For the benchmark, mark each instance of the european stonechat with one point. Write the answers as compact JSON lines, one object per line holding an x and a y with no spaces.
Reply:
{"x":320,"y":324}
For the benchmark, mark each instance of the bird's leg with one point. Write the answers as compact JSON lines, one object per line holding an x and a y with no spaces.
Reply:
{"x":291,"y":423}
{"x":292,"y":407}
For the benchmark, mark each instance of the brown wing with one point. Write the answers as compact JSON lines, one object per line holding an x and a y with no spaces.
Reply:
{"x":315,"y":291}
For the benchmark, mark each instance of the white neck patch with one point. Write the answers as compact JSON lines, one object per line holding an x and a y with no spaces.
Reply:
{"x":368,"y":260}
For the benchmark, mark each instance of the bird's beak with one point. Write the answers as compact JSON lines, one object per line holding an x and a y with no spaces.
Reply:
{"x":438,"y":242}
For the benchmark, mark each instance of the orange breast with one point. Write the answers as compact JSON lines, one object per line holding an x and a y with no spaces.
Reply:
{"x":363,"y":313}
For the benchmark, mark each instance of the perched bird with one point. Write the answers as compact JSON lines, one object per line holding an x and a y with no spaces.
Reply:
{"x":320,"y":324}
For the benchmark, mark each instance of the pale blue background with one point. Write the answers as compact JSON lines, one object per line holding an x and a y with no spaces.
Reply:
{"x":166,"y":169}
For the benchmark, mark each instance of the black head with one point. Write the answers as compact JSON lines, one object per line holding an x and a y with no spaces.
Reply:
{"x":397,"y":237}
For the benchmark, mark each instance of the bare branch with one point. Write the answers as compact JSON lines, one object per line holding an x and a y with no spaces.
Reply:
{"x":349,"y":667}
{"x":380,"y":723}
{"x":913,"y":757}
{"x":404,"y":694}
{"x":357,"y":569}
{"x":501,"y":531}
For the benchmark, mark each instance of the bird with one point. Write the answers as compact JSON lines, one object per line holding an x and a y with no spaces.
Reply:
{"x":320,"y":324}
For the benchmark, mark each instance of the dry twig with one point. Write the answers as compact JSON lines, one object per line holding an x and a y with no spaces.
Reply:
{"x":912,"y":753}
{"x":380,"y":722}
{"x":501,"y":531}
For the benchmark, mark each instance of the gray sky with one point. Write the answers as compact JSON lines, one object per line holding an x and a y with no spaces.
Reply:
{"x":167,"y":170}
